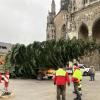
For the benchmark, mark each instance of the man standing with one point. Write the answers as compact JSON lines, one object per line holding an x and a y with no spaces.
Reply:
{"x":92,"y":73}
{"x":60,"y":79}
{"x":76,"y":78}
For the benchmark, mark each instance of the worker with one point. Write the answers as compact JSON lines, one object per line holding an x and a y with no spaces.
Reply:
{"x":76,"y":79}
{"x":60,"y":79}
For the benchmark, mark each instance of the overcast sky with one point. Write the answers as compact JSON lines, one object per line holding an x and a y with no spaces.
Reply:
{"x":24,"y":21}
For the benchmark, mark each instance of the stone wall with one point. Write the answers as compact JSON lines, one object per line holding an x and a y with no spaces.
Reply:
{"x":91,"y":59}
{"x":59,"y":21}
{"x":88,"y":16}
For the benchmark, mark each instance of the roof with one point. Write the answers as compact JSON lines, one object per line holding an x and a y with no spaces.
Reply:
{"x":5,"y":47}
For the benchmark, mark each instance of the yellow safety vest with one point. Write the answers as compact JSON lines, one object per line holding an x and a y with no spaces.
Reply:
{"x":77,"y":74}
{"x":60,"y":72}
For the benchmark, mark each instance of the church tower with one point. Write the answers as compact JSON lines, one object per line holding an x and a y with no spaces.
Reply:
{"x":53,"y":7}
{"x":50,"y":30}
{"x":64,"y":4}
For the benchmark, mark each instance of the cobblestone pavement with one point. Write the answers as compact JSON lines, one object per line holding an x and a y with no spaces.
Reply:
{"x":45,"y":90}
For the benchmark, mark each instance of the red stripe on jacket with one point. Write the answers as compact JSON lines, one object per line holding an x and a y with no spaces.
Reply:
{"x":75,"y":80}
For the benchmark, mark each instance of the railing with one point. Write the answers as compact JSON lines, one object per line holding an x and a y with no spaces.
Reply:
{"x":90,"y":2}
{"x":93,"y":1}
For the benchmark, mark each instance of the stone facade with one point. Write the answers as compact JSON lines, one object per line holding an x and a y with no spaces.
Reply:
{"x":87,"y":22}
{"x":76,"y":18}
{"x":79,"y":19}
{"x":61,"y":24}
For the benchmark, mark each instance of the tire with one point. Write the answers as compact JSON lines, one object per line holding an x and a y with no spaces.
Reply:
{"x":39,"y":77}
{"x":49,"y":77}
{"x":85,"y":74}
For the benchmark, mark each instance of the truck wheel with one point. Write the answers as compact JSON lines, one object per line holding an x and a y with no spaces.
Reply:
{"x":50,"y":77}
{"x":85,"y":74}
{"x":39,"y":77}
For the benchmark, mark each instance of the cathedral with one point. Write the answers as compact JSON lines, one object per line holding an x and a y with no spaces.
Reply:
{"x":76,"y":18}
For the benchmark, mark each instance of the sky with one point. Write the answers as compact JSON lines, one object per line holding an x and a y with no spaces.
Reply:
{"x":24,"y":21}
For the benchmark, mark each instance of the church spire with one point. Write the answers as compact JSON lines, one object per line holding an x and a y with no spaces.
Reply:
{"x":53,"y":7}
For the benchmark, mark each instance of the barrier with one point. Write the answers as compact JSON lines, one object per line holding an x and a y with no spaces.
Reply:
{"x":5,"y":80}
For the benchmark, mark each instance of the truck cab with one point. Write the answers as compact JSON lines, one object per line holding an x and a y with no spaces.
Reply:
{"x":45,"y":74}
{"x":84,"y":69}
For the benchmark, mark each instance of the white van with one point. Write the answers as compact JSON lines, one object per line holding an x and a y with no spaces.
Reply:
{"x":84,"y":69}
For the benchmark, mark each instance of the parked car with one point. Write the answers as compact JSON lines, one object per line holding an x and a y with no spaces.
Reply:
{"x":84,"y":69}
{"x":69,"y":70}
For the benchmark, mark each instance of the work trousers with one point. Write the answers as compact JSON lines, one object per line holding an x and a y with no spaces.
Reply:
{"x":61,"y":92}
{"x":78,"y":90}
{"x":92,"y":77}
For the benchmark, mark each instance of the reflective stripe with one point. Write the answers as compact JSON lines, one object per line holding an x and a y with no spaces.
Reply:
{"x":6,"y":78}
{"x":80,"y":92}
{"x":60,"y":72}
{"x":80,"y":89}
{"x":79,"y":86}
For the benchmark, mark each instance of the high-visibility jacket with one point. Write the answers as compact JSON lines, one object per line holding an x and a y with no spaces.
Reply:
{"x":77,"y":75}
{"x":61,"y":77}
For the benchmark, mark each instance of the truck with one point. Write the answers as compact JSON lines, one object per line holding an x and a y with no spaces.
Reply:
{"x":45,"y":74}
{"x":84,"y":69}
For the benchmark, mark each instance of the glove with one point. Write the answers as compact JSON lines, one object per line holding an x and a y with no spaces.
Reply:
{"x":68,"y":84}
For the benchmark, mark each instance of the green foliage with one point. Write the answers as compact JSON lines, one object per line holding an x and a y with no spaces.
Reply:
{"x":27,"y":60}
{"x":8,"y":65}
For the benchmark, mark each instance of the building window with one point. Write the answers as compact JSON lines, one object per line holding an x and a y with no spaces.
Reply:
{"x":52,"y":31}
{"x":74,"y":8}
{"x":85,"y":1}
{"x":63,"y":31}
{"x":48,"y":36}
{"x":3,"y":47}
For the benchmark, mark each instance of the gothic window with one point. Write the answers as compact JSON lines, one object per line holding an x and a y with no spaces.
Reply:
{"x":74,"y":8}
{"x":74,"y":5}
{"x":64,"y":28}
{"x":63,"y":31}
{"x":48,"y":36}
{"x":52,"y":36}
{"x":83,"y":32}
{"x":85,"y":1}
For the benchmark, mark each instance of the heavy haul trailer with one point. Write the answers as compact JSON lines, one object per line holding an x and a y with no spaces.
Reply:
{"x":45,"y":74}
